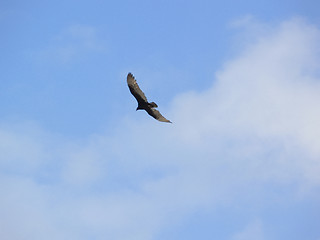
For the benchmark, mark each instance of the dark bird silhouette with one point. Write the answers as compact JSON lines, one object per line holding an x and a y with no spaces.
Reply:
{"x":143,"y":103}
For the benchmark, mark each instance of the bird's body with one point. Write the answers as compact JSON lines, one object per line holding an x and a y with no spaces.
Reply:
{"x":143,"y":103}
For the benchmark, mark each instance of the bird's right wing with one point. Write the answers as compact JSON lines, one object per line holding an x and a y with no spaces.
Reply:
{"x":157,"y":115}
{"x":135,"y":89}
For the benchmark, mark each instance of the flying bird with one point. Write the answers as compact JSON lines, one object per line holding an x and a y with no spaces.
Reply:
{"x":143,"y":103}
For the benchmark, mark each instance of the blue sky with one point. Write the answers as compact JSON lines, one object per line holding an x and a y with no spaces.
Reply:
{"x":239,"y":80}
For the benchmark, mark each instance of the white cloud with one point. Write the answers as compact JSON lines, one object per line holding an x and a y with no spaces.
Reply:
{"x":256,"y":129}
{"x":269,"y":93}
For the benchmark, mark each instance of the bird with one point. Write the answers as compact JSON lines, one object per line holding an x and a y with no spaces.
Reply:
{"x":143,"y":103}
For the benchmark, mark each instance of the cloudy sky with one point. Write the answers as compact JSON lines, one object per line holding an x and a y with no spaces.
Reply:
{"x":240,"y":80}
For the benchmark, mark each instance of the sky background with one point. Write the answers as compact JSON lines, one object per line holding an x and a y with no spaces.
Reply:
{"x":240,"y":80}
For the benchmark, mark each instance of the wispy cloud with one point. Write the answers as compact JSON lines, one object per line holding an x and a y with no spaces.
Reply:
{"x":74,"y":42}
{"x":235,"y":146}
{"x":253,"y":231}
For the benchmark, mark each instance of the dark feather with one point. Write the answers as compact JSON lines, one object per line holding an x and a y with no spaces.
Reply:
{"x":142,"y":100}
{"x":157,"y":115}
{"x":135,"y":90}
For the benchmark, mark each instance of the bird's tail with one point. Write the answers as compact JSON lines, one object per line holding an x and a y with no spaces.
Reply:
{"x":153,"y":105}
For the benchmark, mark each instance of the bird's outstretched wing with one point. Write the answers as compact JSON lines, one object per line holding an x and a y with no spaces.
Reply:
{"x":134,"y":89}
{"x":156,"y":114}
